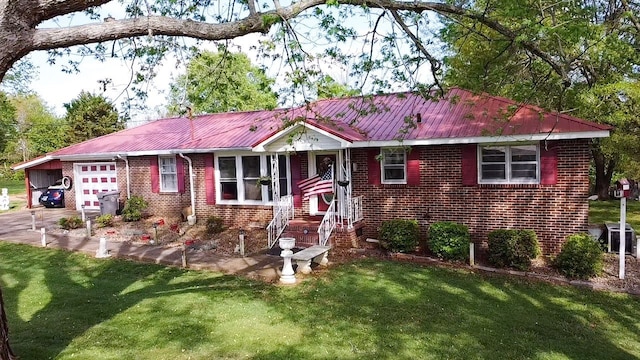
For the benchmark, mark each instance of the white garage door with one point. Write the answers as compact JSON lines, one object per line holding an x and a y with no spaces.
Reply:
{"x":91,"y":179}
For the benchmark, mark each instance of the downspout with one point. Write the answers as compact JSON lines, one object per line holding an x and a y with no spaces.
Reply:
{"x":126,"y":164}
{"x":192,"y":221}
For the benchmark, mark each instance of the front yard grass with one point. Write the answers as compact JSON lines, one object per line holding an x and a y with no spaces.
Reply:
{"x":65,"y":305}
{"x":14,"y":186}
{"x":609,"y":211}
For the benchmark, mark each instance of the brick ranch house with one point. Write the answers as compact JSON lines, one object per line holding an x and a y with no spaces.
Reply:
{"x":480,"y":160}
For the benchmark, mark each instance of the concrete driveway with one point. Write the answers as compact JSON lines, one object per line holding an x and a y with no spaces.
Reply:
{"x":19,"y":223}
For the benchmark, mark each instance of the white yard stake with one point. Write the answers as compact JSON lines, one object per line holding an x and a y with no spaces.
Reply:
{"x":102,"y":250}
{"x":43,"y":237}
{"x":472,"y":260}
{"x":623,"y":220}
{"x":88,"y":228}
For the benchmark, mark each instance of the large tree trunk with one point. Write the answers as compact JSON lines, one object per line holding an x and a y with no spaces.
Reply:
{"x":5,"y":350}
{"x":604,"y":173}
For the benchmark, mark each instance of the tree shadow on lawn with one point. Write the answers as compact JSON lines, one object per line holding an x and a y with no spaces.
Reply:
{"x":83,"y":294}
{"x":380,"y":309}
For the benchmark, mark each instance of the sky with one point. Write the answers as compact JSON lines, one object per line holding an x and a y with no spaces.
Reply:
{"x":56,"y":87}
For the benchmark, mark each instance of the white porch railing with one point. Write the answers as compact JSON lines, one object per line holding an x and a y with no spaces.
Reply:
{"x":354,"y":211}
{"x":328,"y":224}
{"x":284,"y":211}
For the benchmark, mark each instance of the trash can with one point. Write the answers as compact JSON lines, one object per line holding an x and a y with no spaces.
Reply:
{"x":109,"y":202}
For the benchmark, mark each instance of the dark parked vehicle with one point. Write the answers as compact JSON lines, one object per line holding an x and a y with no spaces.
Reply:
{"x":54,"y":196}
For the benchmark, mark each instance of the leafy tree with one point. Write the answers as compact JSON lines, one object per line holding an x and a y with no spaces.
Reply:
{"x":220,"y":82}
{"x":328,"y":88}
{"x":18,"y":78}
{"x":7,"y":121}
{"x":574,"y":57}
{"x":37,"y":130}
{"x":89,"y":116}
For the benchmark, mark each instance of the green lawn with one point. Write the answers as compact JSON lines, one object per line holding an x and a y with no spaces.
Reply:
{"x":14,"y":186}
{"x":609,"y":211}
{"x":68,"y":306}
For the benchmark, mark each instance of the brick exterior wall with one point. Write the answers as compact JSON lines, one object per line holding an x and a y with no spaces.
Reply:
{"x":553,"y":211}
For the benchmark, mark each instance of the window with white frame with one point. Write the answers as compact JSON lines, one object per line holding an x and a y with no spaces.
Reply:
{"x":394,"y":166}
{"x":516,"y":164}
{"x":239,"y":174}
{"x":168,"y":174}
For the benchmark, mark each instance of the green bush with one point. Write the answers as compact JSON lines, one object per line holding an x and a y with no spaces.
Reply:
{"x":399,"y":235}
{"x":104,"y":220}
{"x":215,"y":225}
{"x":580,"y":257}
{"x":72,"y":222}
{"x":514,"y":248}
{"x":449,"y":240}
{"x":133,"y":208}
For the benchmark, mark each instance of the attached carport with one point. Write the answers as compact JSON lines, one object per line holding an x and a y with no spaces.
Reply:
{"x":39,"y":174}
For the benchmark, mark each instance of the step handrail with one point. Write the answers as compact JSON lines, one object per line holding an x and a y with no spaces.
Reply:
{"x":284,"y":212}
{"x":327,"y":225}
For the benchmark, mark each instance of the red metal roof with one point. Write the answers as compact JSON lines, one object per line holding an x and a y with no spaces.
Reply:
{"x":461,"y":114}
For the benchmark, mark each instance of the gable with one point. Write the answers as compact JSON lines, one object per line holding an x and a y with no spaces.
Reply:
{"x":301,"y":138}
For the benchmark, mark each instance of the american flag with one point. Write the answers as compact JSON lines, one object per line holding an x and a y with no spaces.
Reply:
{"x":317,"y":184}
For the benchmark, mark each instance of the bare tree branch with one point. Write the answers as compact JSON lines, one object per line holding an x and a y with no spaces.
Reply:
{"x":20,"y":40}
{"x":48,"y":9}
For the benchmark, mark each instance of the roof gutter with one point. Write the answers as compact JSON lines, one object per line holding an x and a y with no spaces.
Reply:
{"x":483,"y":139}
{"x":191,"y":218}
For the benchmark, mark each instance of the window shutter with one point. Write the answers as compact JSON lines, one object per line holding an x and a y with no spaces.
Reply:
{"x":469,"y":164}
{"x":374,"y":166}
{"x":413,"y":167}
{"x":155,"y":174}
{"x":296,"y":174}
{"x":180,"y":173}
{"x":209,"y":179}
{"x":548,"y":166}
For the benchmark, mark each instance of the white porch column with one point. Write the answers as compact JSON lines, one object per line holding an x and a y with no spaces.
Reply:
{"x":275,"y":181}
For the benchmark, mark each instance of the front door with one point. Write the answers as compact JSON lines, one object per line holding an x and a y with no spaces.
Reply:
{"x":323,"y":165}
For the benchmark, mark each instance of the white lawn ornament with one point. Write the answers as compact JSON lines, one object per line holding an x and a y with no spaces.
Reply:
{"x":4,"y":200}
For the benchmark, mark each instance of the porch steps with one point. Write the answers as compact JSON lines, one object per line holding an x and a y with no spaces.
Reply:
{"x":304,"y":230}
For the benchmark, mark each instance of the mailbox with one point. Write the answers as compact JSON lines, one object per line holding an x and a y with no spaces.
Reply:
{"x":623,"y":188}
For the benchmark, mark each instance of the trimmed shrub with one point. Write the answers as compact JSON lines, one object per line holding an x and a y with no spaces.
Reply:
{"x":104,"y":220}
{"x":449,"y":240}
{"x":514,"y":248}
{"x":399,"y":235}
{"x":580,"y":257}
{"x":133,"y":208}
{"x":215,"y":225}
{"x":69,"y":223}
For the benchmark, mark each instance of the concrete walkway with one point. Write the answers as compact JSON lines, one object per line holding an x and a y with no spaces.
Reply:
{"x":16,"y":227}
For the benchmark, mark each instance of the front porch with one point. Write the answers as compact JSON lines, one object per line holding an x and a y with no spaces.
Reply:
{"x":339,"y":226}
{"x":312,"y":197}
